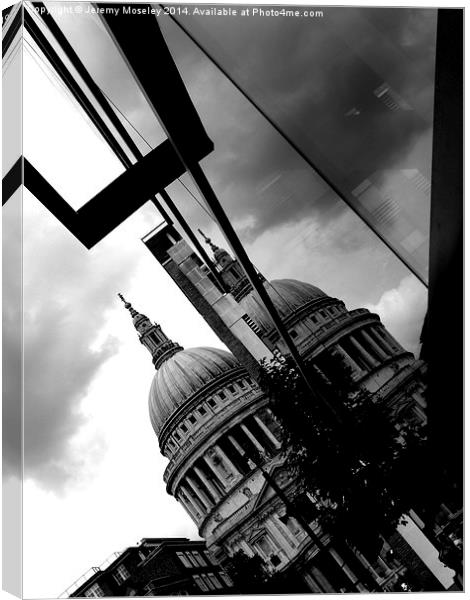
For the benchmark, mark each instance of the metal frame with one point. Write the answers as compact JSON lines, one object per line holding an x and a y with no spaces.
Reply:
{"x":132,"y":35}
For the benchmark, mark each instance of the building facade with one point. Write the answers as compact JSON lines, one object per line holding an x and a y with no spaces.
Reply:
{"x":320,"y":324}
{"x":155,"y":567}
{"x":213,"y":421}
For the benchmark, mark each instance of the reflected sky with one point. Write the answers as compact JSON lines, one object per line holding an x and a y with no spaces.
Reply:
{"x":292,"y":223}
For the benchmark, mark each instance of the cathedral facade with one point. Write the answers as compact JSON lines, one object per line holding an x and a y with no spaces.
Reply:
{"x":214,"y":423}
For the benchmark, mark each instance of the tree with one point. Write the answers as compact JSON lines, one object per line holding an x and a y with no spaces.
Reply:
{"x":362,"y":468}
{"x":251,"y":575}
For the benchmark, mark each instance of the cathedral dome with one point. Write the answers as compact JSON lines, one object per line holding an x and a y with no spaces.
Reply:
{"x":181,"y":376}
{"x":287,"y":295}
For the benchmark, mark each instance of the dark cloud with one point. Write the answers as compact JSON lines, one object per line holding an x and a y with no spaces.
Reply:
{"x":309,"y":73}
{"x":66,"y":296}
{"x":11,"y":338}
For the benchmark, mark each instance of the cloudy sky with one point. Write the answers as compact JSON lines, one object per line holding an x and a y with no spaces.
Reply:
{"x":92,"y":465}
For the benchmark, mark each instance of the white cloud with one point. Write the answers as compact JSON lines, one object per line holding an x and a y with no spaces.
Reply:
{"x":402,"y":311}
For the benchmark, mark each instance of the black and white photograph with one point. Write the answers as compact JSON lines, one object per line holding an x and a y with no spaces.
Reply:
{"x":232,"y":299}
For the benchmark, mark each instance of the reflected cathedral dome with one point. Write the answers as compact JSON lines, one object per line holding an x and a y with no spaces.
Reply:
{"x":287,"y":295}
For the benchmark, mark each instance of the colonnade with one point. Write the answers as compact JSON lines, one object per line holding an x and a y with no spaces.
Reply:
{"x":367,"y":348}
{"x":235,"y":453}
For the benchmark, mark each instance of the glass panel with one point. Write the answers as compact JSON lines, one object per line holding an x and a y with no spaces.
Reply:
{"x":352,"y":90}
{"x":57,"y":128}
{"x":292,"y":224}
{"x":57,"y":132}
{"x":94,"y":46}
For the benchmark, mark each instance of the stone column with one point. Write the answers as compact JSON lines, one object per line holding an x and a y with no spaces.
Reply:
{"x":194,"y":499}
{"x":214,"y":470}
{"x":185,"y":500}
{"x":212,"y":489}
{"x":252,"y":438}
{"x":226,"y":460}
{"x":267,"y":433}
{"x":363,"y":560}
{"x":200,"y":495}
{"x":281,"y":541}
{"x":383,"y":341}
{"x":360,"y":348}
{"x":283,"y":530}
{"x":247,"y":548}
{"x":345,"y":568}
{"x":236,"y":445}
{"x":368,"y":339}
{"x":352,"y":363}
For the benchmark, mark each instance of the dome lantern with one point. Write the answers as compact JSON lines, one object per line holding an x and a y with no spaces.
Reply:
{"x":151,"y":336}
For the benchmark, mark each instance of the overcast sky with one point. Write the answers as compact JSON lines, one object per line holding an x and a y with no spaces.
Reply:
{"x":92,"y":465}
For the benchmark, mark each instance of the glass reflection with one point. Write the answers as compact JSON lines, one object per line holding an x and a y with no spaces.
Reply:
{"x":292,"y":223}
{"x":352,"y":91}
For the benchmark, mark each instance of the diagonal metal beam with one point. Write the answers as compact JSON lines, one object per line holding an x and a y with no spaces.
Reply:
{"x":12,"y":27}
{"x":138,"y":38}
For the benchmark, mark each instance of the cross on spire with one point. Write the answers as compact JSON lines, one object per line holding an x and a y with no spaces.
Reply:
{"x":151,"y":336}
{"x":208,"y":241}
{"x":129,"y":306}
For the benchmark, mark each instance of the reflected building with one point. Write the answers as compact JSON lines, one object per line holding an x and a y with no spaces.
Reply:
{"x":390,"y":98}
{"x":318,"y":324}
{"x":398,"y":201}
{"x":214,"y":422}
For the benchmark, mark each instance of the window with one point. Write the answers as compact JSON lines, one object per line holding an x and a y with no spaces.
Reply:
{"x":209,"y":557}
{"x":293,"y":333}
{"x":215,"y":581}
{"x":183,"y":559}
{"x":177,"y":437}
{"x":242,"y":384}
{"x":184,"y":429}
{"x":226,"y":579}
{"x":200,"y":561}
{"x":212,"y":402}
{"x":192,"y":560}
{"x":202,"y":411}
{"x":192,"y":419}
{"x":200,"y":583}
{"x":222,"y":395}
{"x":231,"y":389}
{"x":121,"y":574}
{"x":208,"y":581}
{"x":323,"y":314}
{"x":314,"y":318}
{"x":94,"y":591}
